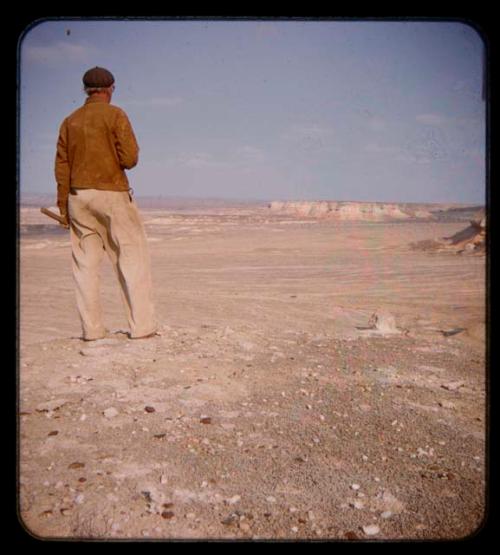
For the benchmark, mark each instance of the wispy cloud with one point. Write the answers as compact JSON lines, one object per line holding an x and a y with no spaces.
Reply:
{"x":309,"y":138}
{"x":198,"y":160}
{"x":308,"y":131}
{"x":432,"y":119}
{"x":158,"y":101}
{"x":250,"y":153}
{"x":394,"y":153}
{"x":59,"y":52}
{"x":373,"y":121}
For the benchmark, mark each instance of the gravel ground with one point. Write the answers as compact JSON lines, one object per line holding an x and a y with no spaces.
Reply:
{"x":265,"y":409}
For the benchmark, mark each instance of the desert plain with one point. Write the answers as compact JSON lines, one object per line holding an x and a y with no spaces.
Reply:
{"x":313,"y":379}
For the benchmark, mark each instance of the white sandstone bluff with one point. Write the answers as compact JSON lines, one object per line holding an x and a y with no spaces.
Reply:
{"x":347,"y":210}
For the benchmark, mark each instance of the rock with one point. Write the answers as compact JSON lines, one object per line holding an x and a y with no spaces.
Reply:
{"x":233,"y":517}
{"x":355,"y":487}
{"x":234,"y":499}
{"x":93,"y":351}
{"x":453,"y":386}
{"x":383,"y":321}
{"x":246,"y":345}
{"x":358,"y":504}
{"x":271,"y":499}
{"x":386,"y":514}
{"x":386,"y":501}
{"x":447,"y":404}
{"x":347,"y":210}
{"x":371,"y":530}
{"x":76,"y":465}
{"x":110,"y":412}
{"x":49,"y":406}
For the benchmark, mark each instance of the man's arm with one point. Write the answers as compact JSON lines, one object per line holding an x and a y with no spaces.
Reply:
{"x":62,"y":170}
{"x":125,"y":142}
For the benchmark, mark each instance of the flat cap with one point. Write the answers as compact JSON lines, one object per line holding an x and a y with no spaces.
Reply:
{"x":98,"y":77}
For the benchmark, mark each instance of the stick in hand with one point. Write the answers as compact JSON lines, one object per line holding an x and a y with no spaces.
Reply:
{"x":55,"y":216}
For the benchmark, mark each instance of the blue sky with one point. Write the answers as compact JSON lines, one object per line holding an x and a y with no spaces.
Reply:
{"x":341,"y":110}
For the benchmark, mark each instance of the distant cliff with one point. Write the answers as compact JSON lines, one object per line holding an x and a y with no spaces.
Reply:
{"x":345,"y":210}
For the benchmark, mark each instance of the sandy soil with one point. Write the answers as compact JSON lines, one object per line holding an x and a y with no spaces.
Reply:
{"x":265,"y":409}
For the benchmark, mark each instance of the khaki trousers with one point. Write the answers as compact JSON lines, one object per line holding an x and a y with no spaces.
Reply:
{"x":109,"y":221}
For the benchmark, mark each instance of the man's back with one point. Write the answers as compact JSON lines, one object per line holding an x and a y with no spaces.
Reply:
{"x":96,"y":143}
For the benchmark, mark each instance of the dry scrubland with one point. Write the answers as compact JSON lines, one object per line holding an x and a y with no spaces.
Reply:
{"x":272,"y":405}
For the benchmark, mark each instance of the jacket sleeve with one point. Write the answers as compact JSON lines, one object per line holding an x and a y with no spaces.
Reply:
{"x":62,"y":169}
{"x":125,"y":142}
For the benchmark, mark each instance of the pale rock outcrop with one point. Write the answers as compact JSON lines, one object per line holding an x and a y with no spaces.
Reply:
{"x":472,"y":239}
{"x":350,"y":211}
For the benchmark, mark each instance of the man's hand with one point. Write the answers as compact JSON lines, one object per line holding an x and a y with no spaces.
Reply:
{"x":63,"y":210}
{"x":64,"y":224}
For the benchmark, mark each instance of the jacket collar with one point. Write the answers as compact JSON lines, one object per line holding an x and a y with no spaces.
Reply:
{"x":95,"y":98}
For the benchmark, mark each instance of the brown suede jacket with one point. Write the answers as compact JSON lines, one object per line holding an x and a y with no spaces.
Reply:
{"x":96,"y":145}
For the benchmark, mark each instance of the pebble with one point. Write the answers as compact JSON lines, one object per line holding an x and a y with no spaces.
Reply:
{"x":386,"y":514}
{"x":111,"y":412}
{"x":79,"y":499}
{"x":293,"y":509}
{"x":295,"y":529}
{"x":271,"y":499}
{"x":358,"y":504}
{"x":244,"y":526}
{"x":371,"y":530}
{"x":163,"y":479}
{"x":234,"y":499}
{"x":446,"y":404}
{"x":355,"y":486}
{"x":452,"y":386}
